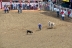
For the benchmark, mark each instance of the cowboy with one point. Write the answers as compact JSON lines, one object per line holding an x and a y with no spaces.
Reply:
{"x":39,"y":26}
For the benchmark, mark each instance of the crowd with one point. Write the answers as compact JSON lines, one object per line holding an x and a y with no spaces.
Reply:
{"x":61,"y":11}
{"x":25,"y":6}
{"x":20,"y":7}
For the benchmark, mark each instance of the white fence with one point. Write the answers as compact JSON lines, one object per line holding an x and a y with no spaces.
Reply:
{"x":3,"y":3}
{"x":8,"y":3}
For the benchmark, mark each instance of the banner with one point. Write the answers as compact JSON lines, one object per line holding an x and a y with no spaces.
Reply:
{"x":66,"y":0}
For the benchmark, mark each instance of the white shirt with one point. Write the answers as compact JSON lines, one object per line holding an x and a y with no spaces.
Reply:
{"x":57,"y":9}
{"x":28,"y":4}
{"x":7,"y":8}
{"x":64,"y":12}
{"x":63,"y":15}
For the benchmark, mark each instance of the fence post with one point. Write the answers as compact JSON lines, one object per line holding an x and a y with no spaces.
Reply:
{"x":1,"y":3}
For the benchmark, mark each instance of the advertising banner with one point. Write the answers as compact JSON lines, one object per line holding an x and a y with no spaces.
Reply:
{"x":66,"y":0}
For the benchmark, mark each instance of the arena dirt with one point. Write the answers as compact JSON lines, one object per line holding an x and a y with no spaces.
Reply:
{"x":13,"y":28}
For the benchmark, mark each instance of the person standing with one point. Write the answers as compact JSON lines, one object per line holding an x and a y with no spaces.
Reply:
{"x":11,"y":6}
{"x":5,"y":5}
{"x":40,"y":5}
{"x":71,"y":14}
{"x":39,"y":26}
{"x":57,"y":10}
{"x":24,"y":6}
{"x":14,"y":6}
{"x":28,"y":6}
{"x":63,"y":14}
{"x":20,"y":8}
{"x":50,"y":5}
{"x":69,"y":11}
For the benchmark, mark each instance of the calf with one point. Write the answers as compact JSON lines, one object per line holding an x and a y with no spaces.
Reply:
{"x":51,"y":24}
{"x":29,"y":31}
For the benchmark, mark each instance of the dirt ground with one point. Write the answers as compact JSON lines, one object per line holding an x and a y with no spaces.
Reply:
{"x":13,"y":28}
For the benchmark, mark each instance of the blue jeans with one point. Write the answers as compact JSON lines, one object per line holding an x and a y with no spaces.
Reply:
{"x":6,"y":11}
{"x":28,"y":7}
{"x":57,"y":13}
{"x":68,"y":15}
{"x":19,"y":10}
{"x":62,"y":18}
{"x":39,"y":27}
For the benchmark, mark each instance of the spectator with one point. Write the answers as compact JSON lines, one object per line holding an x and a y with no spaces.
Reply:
{"x":47,"y":6}
{"x":69,"y":11}
{"x":71,"y":14}
{"x":14,"y":6}
{"x":57,"y":10}
{"x":5,"y":5}
{"x":63,"y":14}
{"x":34,"y":6}
{"x":28,"y":6}
{"x":20,"y":8}
{"x":25,"y":6}
{"x":40,"y":7}
{"x":11,"y":6}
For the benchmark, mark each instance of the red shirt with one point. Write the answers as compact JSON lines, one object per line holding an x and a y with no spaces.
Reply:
{"x":69,"y":12}
{"x":62,"y":12}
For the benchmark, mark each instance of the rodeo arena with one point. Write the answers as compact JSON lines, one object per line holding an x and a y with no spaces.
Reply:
{"x":35,"y":23}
